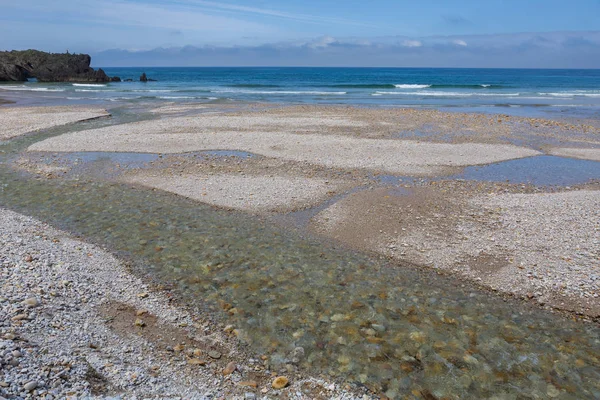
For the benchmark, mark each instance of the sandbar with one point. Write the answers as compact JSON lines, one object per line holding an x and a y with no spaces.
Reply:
{"x":16,"y":121}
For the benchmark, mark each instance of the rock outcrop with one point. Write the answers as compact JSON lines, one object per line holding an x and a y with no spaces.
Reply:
{"x":18,"y":66}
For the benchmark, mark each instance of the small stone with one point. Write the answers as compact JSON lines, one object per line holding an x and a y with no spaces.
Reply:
{"x":16,"y":354}
{"x":264,"y":390}
{"x":141,"y":312}
{"x":31,"y":302}
{"x":197,"y":352}
{"x":229,"y":369}
{"x":196,"y":361}
{"x":249,"y":396}
{"x":142,"y":295}
{"x":10,"y":336}
{"x":179,"y":348}
{"x":552,"y":391}
{"x":338,"y":317}
{"x":280,"y":382}
{"x":214,"y":354}
{"x":29,"y":386}
{"x":28,"y":258}
{"x":252,"y":384}
{"x":19,"y":317}
{"x":140,"y":323}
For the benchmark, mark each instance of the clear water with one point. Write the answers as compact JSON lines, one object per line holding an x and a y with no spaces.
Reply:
{"x":394,"y":328}
{"x":540,"y":171}
{"x":570,"y":92}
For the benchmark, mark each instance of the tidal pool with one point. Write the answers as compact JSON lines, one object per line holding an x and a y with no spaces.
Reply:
{"x":400,"y":330}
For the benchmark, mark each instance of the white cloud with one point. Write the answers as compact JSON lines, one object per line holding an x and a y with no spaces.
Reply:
{"x":322,"y":42}
{"x":412,"y":43}
{"x":459,"y":42}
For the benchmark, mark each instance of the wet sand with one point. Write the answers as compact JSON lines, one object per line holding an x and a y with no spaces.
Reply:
{"x":16,"y":121}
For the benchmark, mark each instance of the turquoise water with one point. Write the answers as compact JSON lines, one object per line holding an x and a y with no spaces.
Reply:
{"x":571,"y":92}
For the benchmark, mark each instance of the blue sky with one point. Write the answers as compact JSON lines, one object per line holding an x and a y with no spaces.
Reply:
{"x":525,"y":33}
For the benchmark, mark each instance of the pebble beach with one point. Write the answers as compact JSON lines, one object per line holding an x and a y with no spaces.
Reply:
{"x":78,"y":321}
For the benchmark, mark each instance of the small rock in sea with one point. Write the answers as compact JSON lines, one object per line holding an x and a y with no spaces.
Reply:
{"x":229,"y":369}
{"x":214,"y":354}
{"x":29,"y":386}
{"x":140,"y":323}
{"x":31,"y":302}
{"x":280,"y":382}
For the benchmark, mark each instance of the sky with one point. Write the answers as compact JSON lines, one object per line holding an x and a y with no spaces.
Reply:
{"x":435,"y":33}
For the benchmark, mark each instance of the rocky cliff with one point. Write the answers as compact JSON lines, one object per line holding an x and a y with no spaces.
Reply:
{"x":48,"y":67}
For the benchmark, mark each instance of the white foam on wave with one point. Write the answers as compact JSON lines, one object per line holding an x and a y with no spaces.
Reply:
{"x":583,"y":93}
{"x":446,"y":94}
{"x":154,"y":90}
{"x":412,"y":86}
{"x":30,"y":89}
{"x":175,"y":97}
{"x":281,"y":92}
{"x":89,"y":84}
{"x":485,"y":85}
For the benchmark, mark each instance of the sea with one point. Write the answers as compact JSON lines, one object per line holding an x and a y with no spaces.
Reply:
{"x":512,"y":91}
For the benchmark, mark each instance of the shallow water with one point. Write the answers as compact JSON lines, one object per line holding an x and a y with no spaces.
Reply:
{"x":539,"y":170}
{"x":399,"y":330}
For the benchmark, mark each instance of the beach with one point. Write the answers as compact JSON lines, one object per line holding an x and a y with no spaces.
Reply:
{"x":278,"y":164}
{"x":449,"y":194}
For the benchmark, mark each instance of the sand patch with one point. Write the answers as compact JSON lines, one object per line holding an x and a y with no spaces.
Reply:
{"x":584,"y":154}
{"x":515,"y":243}
{"x":16,"y":121}
{"x":178,"y":135}
{"x":247,"y":193}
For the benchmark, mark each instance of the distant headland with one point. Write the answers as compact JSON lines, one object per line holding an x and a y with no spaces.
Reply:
{"x":19,"y":66}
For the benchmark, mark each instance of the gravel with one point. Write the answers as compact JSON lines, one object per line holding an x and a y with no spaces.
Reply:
{"x":540,"y":246}
{"x":405,"y":157}
{"x":56,"y":342}
{"x":573,"y":152}
{"x":16,"y":121}
{"x":248,"y":193}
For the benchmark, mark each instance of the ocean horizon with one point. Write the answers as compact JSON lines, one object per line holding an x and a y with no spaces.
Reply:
{"x":573,"y":92}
